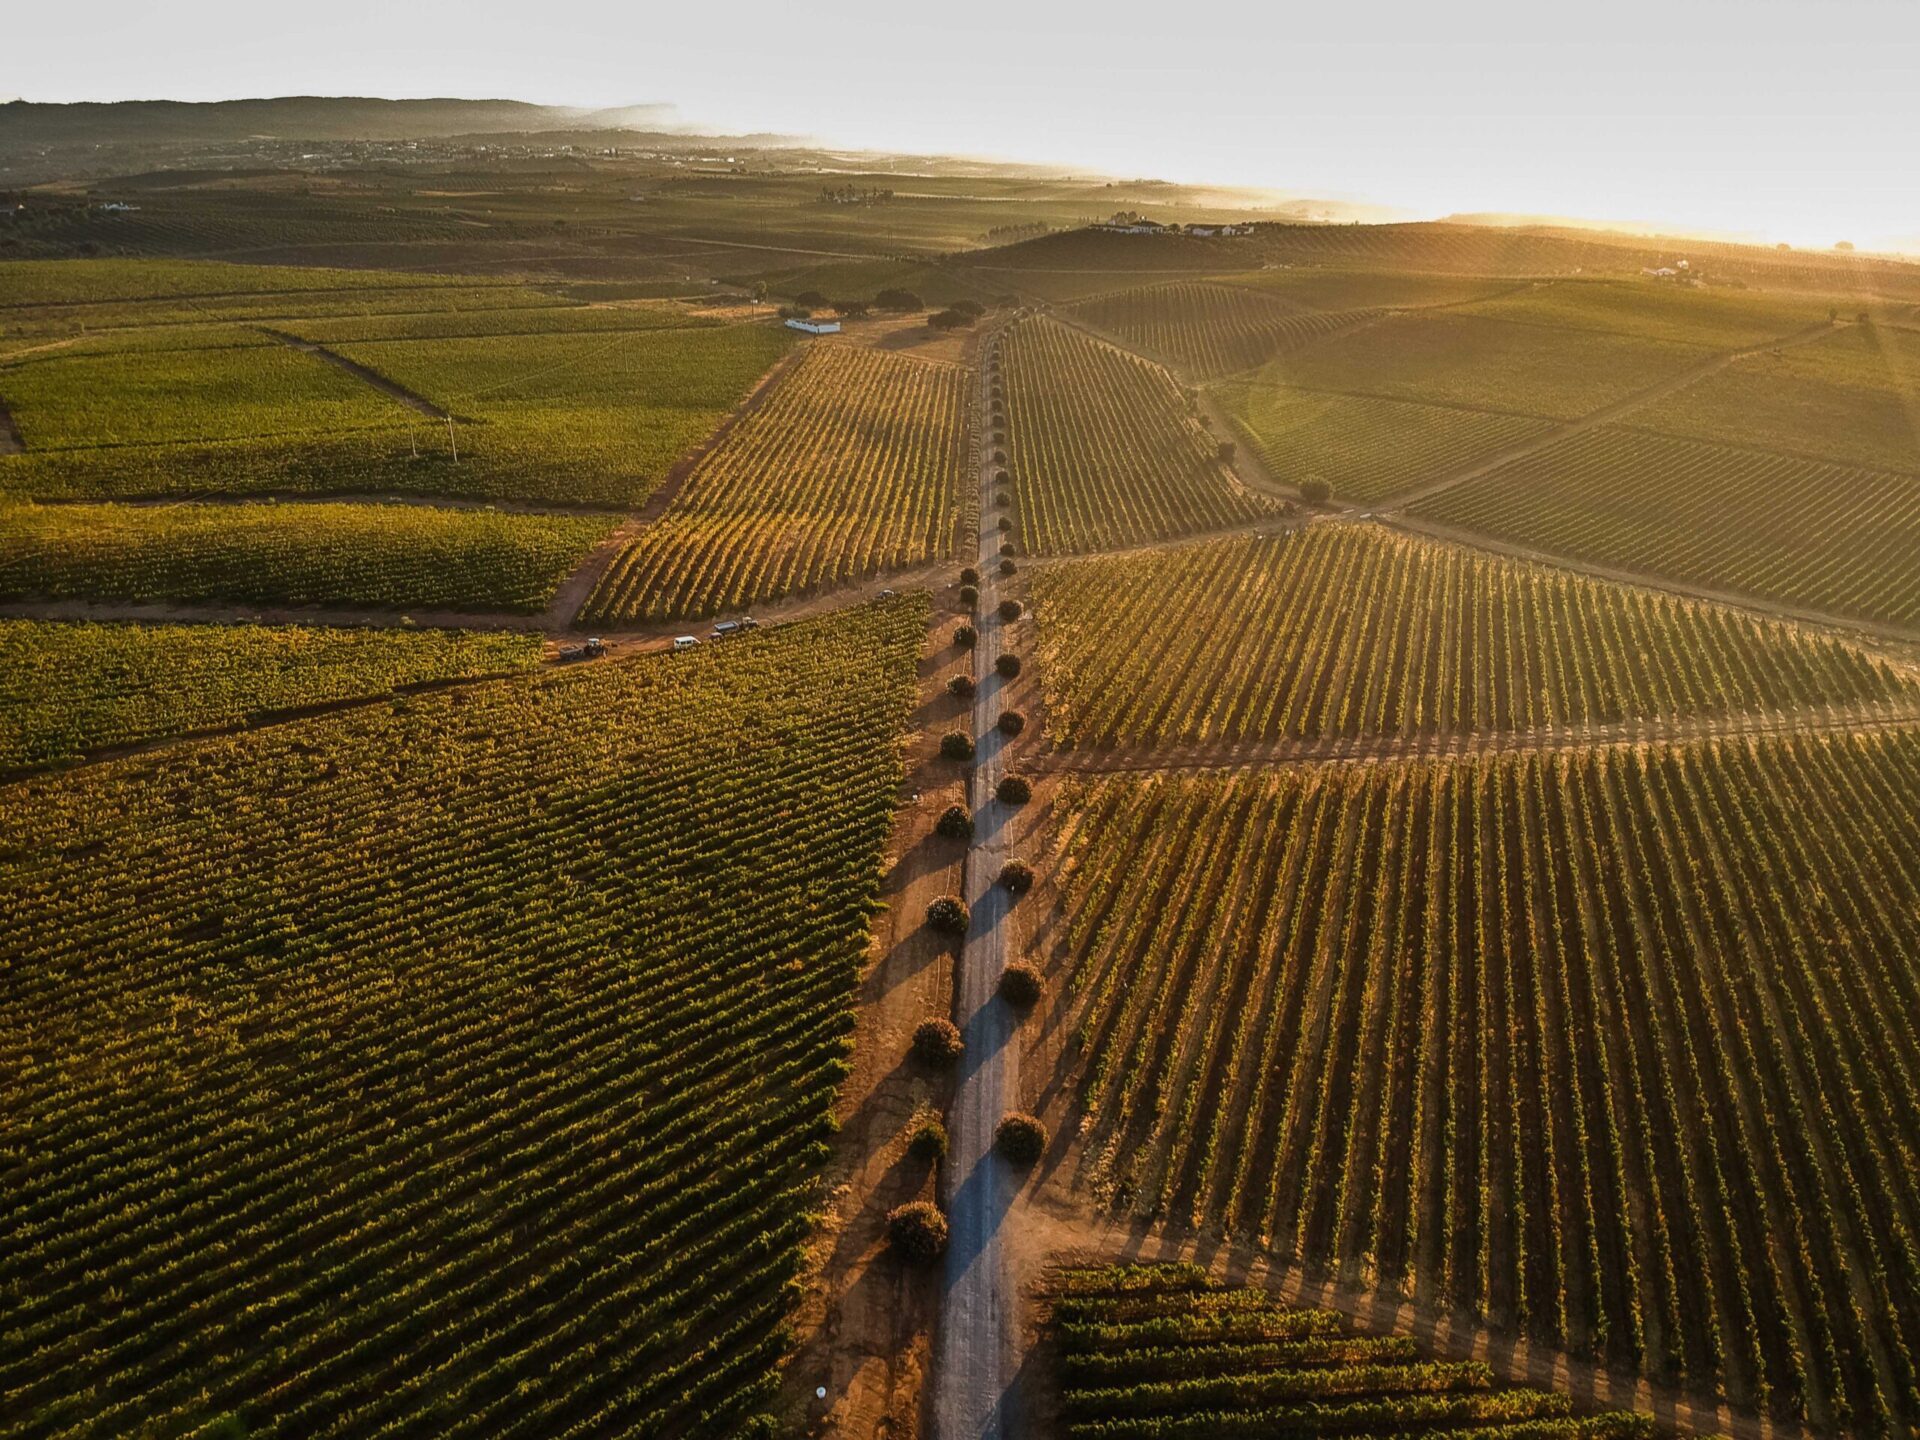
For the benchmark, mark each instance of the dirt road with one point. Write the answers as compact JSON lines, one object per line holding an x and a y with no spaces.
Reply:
{"x":977,"y":1341}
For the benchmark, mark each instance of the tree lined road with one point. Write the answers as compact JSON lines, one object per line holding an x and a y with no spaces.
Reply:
{"x":977,"y":1346}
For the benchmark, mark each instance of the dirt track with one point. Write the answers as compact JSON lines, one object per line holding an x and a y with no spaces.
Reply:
{"x":1349,"y":750}
{"x":390,"y":388}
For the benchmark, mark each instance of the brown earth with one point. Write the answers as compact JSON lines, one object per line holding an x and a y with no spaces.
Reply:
{"x":865,"y":1326}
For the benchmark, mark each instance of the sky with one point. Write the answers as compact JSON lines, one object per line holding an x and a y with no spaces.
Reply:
{"x":1794,"y":120}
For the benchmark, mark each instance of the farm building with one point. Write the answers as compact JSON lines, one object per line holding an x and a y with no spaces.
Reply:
{"x":815,"y":327}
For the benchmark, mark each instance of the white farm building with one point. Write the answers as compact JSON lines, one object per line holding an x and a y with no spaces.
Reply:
{"x":815,"y":327}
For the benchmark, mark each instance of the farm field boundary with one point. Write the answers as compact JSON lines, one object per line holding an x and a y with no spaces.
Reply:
{"x":392,"y":389}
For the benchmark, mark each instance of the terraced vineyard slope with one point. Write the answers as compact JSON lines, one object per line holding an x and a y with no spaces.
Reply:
{"x":455,"y":1067}
{"x":1103,"y":447}
{"x":1615,"y":1047}
{"x":1366,"y":447}
{"x":1161,"y":1352}
{"x":1207,"y":330}
{"x":1345,"y":630}
{"x":331,"y":553}
{"x":852,"y":468}
{"x":1817,"y":536}
{"x":66,"y":689}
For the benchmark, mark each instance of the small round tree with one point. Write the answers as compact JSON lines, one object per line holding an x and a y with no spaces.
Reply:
{"x":917,"y":1231}
{"x":928,"y":1141}
{"x":1020,"y":1137}
{"x":1315,"y":491}
{"x":965,"y":636}
{"x":947,"y":915}
{"x":956,"y":745}
{"x":1013,"y":790}
{"x":1001,"y":477}
{"x":1005,"y":524}
{"x":1007,"y":551}
{"x":1006,"y":666}
{"x":969,"y":576}
{"x":955,"y":823}
{"x":960,"y":685}
{"x":969,"y":596}
{"x":1012,"y":722}
{"x":1020,"y":984}
{"x":936,"y":1041}
{"x":1017,"y":876}
{"x":1011,"y":610}
{"x":1006,"y":566}
{"x":1003,"y":499}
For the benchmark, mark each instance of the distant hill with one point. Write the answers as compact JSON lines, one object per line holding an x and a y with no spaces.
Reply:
{"x":25,"y":124}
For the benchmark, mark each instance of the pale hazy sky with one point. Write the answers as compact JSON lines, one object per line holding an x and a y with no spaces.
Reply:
{"x":1789,"y":119}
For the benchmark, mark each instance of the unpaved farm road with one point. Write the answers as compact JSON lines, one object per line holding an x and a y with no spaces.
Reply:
{"x":977,"y":1344}
{"x":1854,"y":719}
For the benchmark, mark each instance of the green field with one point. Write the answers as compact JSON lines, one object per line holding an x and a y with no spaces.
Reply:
{"x":1163,"y":1352}
{"x":1816,"y":536}
{"x":1365,"y":447}
{"x":1661,"y":310}
{"x":1355,"y":630}
{"x":1208,"y":330}
{"x":1449,"y":358}
{"x":1613,"y":1047}
{"x":69,"y":688}
{"x":456,"y":1066}
{"x":1852,"y":398}
{"x":381,"y":556}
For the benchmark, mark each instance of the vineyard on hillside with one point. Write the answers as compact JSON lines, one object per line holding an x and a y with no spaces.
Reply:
{"x":852,"y":468}
{"x":1365,"y":447}
{"x":69,"y":688}
{"x":1454,"y":358}
{"x":1851,"y":397}
{"x":1356,"y":630}
{"x":1161,"y":1352}
{"x":1820,"y":536}
{"x":1209,"y":330}
{"x":1103,"y":447}
{"x":1614,"y":1046}
{"x":458,"y":1066}
{"x":388,"y":556}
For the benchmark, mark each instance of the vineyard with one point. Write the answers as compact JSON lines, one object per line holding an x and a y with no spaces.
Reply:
{"x":1208,"y":330}
{"x":851,"y":469}
{"x":457,"y":1067}
{"x":1355,"y":630}
{"x":1104,"y":447}
{"x":390,"y":556}
{"x":66,"y":689}
{"x":1466,"y":360}
{"x":1820,"y":536}
{"x":1612,"y":1046}
{"x":1717,"y":319}
{"x":1853,"y":398}
{"x":1160,"y":1352}
{"x":1365,"y":447}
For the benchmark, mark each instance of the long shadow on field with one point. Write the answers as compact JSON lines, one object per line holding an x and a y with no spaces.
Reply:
{"x":976,"y":1210}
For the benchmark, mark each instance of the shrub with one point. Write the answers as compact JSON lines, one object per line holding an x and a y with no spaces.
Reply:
{"x":1003,"y":498}
{"x":969,"y":576}
{"x":1224,"y":452}
{"x":960,"y":685}
{"x":928,"y":1142}
{"x":948,"y":915}
{"x":1012,"y":722}
{"x":1017,"y":876}
{"x":903,"y":300}
{"x":1020,"y":1137}
{"x":1315,"y":491}
{"x":1020,"y":984}
{"x":965,"y":636}
{"x":1007,"y":548}
{"x":917,"y":1232}
{"x":1013,"y":790}
{"x":969,"y":596}
{"x":937,"y":1041}
{"x":1005,"y":524}
{"x":1011,"y":610}
{"x":956,"y":745}
{"x":1000,"y":457}
{"x":971,"y":308}
{"x":1006,"y":666}
{"x":1001,"y":477}
{"x":955,"y":823}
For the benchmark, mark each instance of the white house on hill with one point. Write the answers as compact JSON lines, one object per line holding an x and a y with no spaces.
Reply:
{"x":815,"y":327}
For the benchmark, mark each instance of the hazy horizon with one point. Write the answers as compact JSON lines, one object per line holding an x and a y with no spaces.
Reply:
{"x":1725,"y":118}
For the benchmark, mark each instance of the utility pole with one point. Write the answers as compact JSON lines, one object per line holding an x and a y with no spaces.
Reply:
{"x":453,"y":440}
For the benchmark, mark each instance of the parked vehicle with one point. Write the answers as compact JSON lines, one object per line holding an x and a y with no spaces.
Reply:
{"x":593,"y":649}
{"x":685,"y":642}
